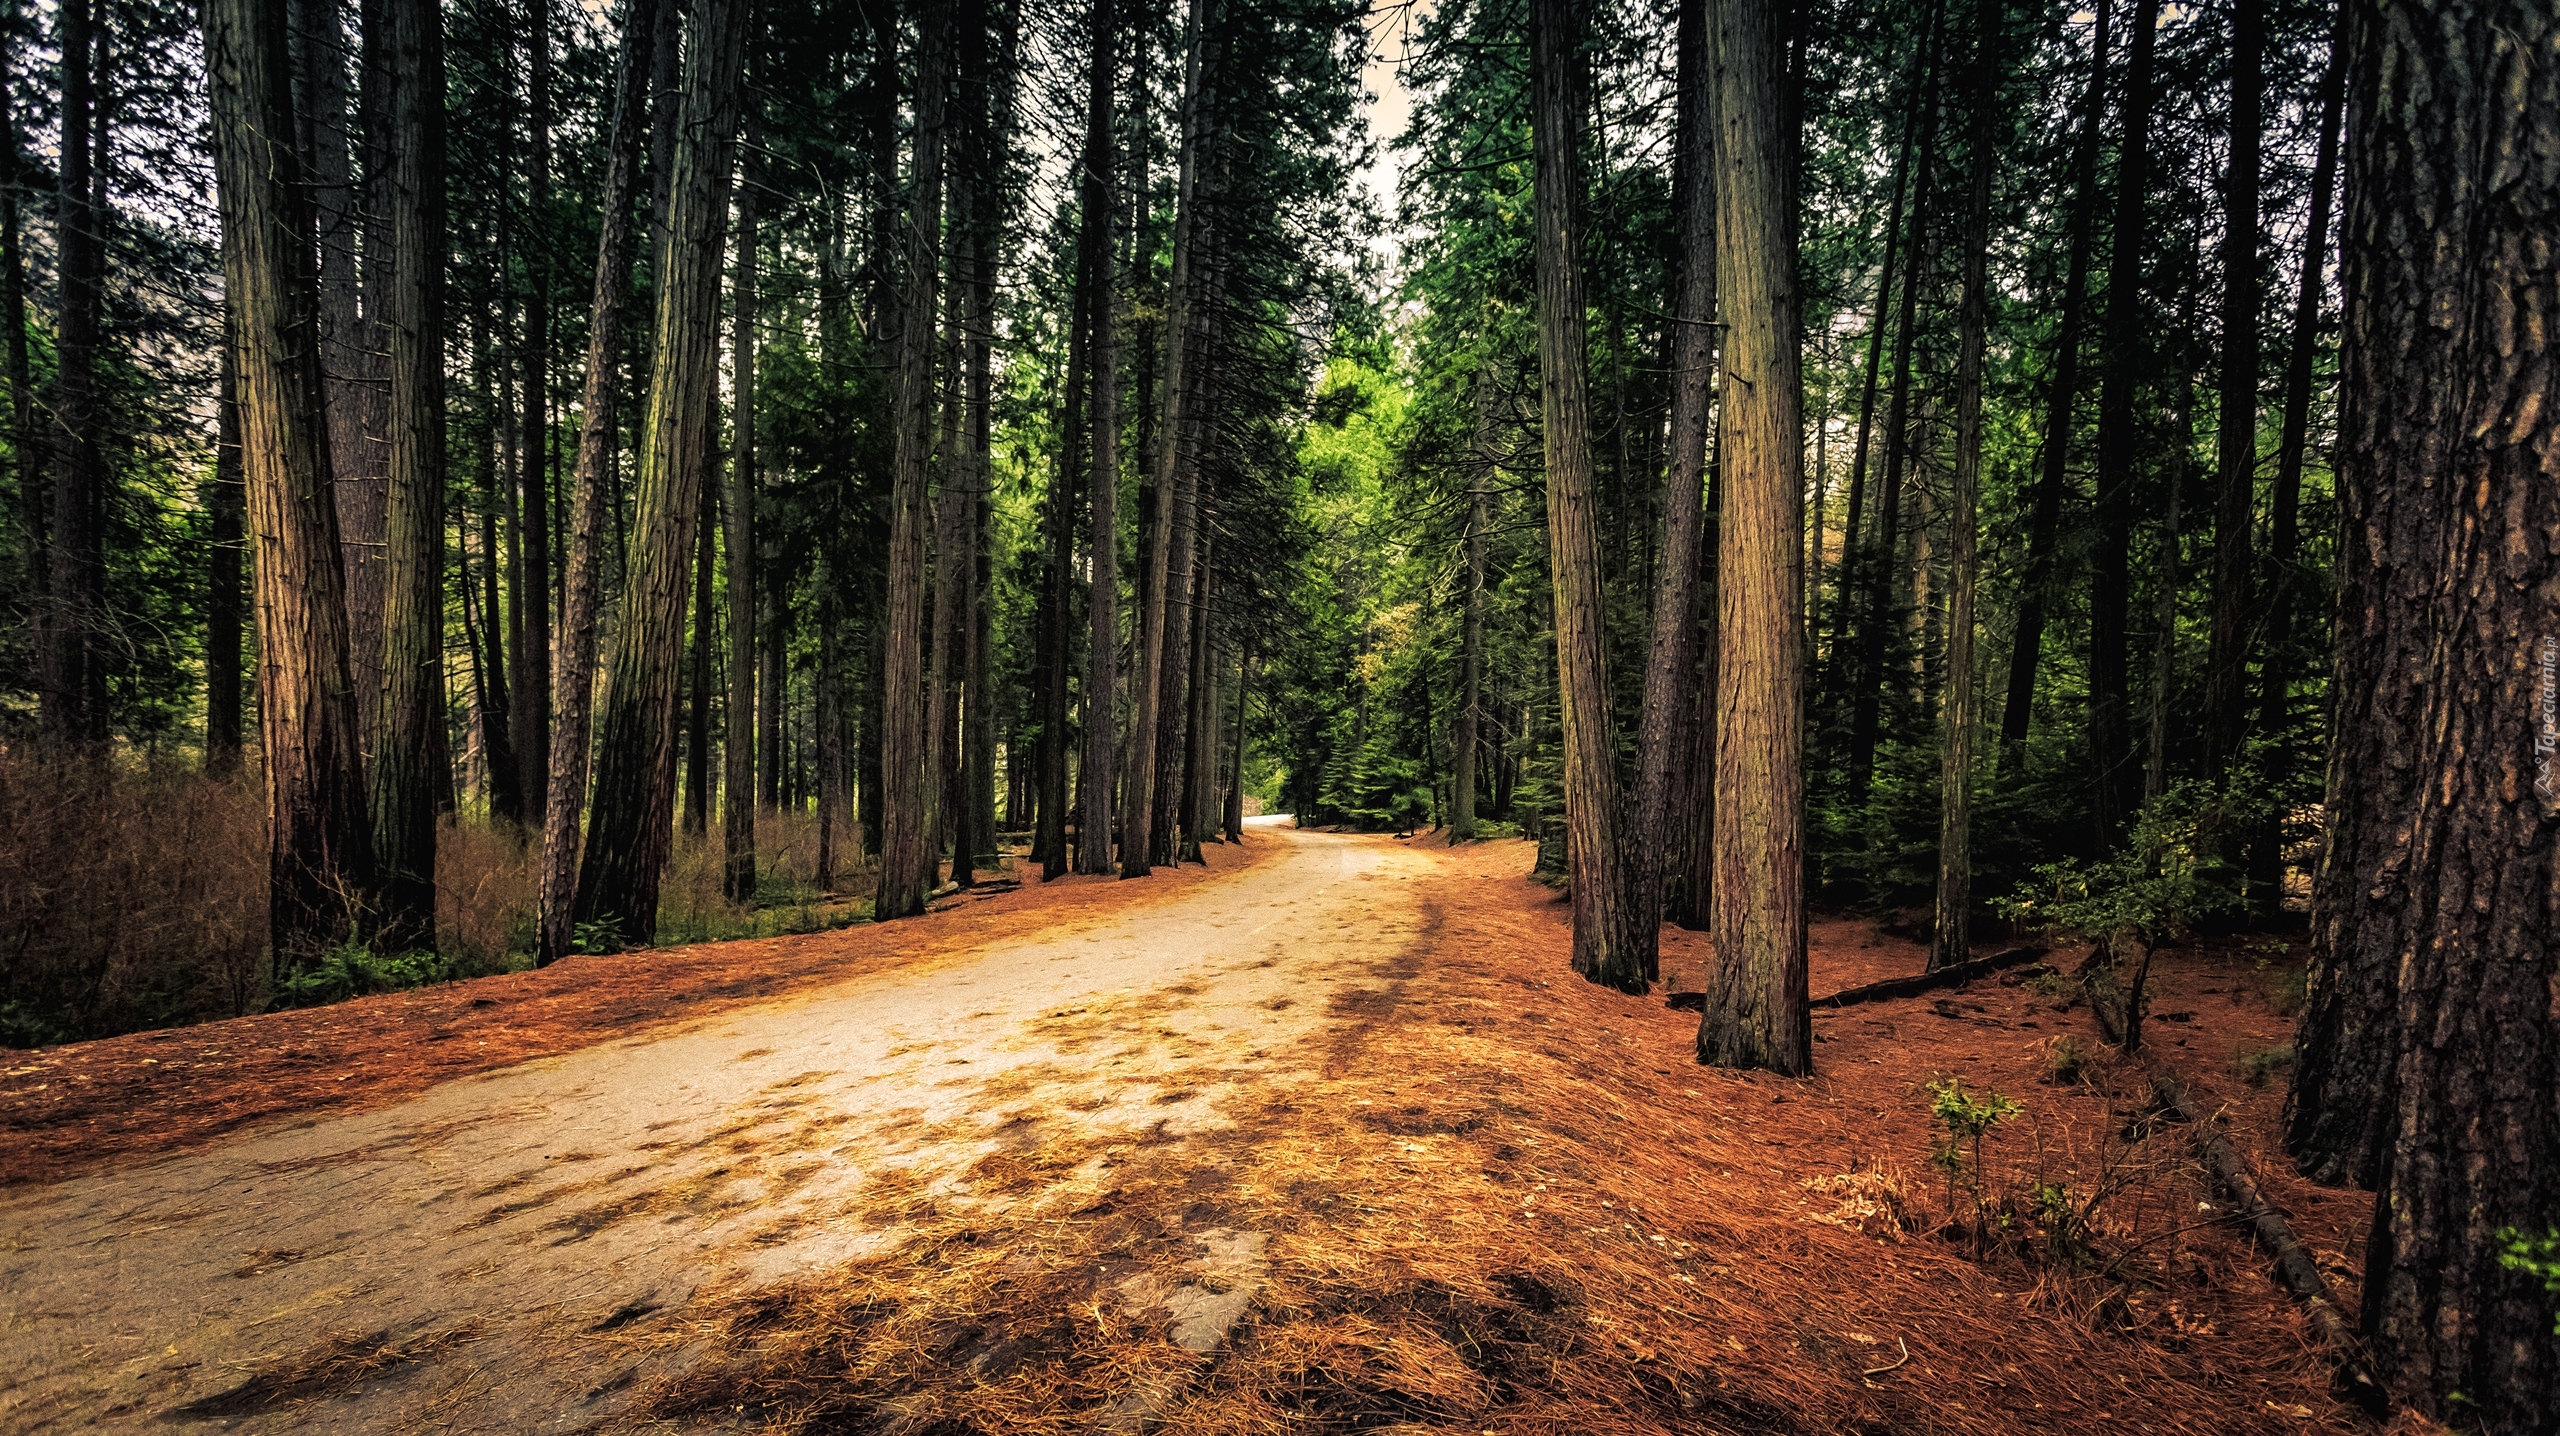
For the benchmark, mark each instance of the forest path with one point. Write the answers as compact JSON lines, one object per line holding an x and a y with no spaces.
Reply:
{"x":456,"y":1262}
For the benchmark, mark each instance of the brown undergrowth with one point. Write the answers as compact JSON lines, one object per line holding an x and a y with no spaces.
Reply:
{"x":1500,"y":1199}
{"x":76,"y":1108}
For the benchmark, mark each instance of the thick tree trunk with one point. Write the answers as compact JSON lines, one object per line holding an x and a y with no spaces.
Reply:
{"x":738,"y":778}
{"x":404,"y":812}
{"x":1610,"y":938}
{"x":1671,"y":667}
{"x":906,"y":796}
{"x":2044,"y":521}
{"x":362,"y":452}
{"x":320,"y":843}
{"x":1102,"y":653}
{"x":73,"y":695}
{"x":1952,"y":937}
{"x":2236,"y":445}
{"x":635,"y":764}
{"x":2433,"y":996}
{"x":226,"y":501}
{"x":1756,"y":1013}
{"x":2113,"y":771}
{"x":533,"y":647}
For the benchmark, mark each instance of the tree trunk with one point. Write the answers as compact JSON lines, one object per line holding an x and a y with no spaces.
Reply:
{"x":1756,"y":1013}
{"x":697,"y":721}
{"x":227,"y":503}
{"x":2044,"y":522}
{"x":1672,"y":664}
{"x":2284,"y":530}
{"x":1920,"y":87}
{"x":1234,"y":815}
{"x":1200,"y":738}
{"x":1102,"y":655}
{"x":830,"y":736}
{"x":404,"y":813}
{"x":320,"y":847}
{"x":1138,"y":836}
{"x":1884,"y":556}
{"x":906,"y":797}
{"x":362,"y":454}
{"x":533,"y":649}
{"x":635,"y":773}
{"x":2236,"y":447}
{"x":1470,"y":715}
{"x":2119,"y":441}
{"x":26,"y":440}
{"x":73,"y":697}
{"x":2432,"y":998}
{"x":1609,"y":935}
{"x":1952,"y":937}
{"x":738,"y":785}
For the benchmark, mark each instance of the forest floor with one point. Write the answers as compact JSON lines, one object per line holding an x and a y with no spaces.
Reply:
{"x":1325,"y":1137}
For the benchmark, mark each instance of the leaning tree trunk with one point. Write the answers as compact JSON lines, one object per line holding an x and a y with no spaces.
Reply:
{"x":738,"y":753}
{"x":2044,"y":521}
{"x":1756,"y":1013}
{"x":320,"y":842}
{"x":574,"y":659}
{"x":1138,"y":796}
{"x":404,"y":810}
{"x":2433,"y":993}
{"x":1952,"y":938}
{"x":1671,"y":667}
{"x":2119,"y":441}
{"x":1609,"y":935}
{"x":635,"y":763}
{"x":906,"y":785}
{"x":1102,"y":657}
{"x":2236,"y":464}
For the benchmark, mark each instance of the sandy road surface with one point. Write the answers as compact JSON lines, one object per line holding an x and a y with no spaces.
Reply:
{"x":443,"y":1264}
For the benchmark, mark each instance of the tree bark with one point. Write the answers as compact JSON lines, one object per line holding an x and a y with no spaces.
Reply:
{"x":2119,"y":442}
{"x":697,"y":697}
{"x":2236,"y":439}
{"x":635,"y":774}
{"x":1200,"y":736}
{"x":1609,"y":935}
{"x":1672,"y":663}
{"x":1102,"y":654}
{"x":905,"y":782}
{"x":1138,"y":837}
{"x":73,"y":695}
{"x":738,"y":785}
{"x":1756,"y":1013}
{"x":1470,"y":715}
{"x":404,"y":811}
{"x":320,"y":843}
{"x":1952,"y":936}
{"x":226,"y":501}
{"x":2044,"y":522}
{"x":1235,"y":768}
{"x":2441,"y":889}
{"x":363,"y":454}
{"x":533,"y":647}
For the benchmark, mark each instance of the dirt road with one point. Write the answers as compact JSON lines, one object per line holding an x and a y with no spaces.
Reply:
{"x":455,"y":1262}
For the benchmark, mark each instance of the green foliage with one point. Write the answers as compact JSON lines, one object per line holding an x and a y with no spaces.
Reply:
{"x":1968,"y":1118}
{"x":2150,"y":890}
{"x":2536,"y":1257}
{"x":353,"y":969}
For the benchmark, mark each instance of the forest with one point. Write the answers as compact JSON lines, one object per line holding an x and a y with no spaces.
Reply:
{"x":1984,"y":570}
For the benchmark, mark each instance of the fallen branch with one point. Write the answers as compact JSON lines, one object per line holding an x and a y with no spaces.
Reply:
{"x":1955,"y":975}
{"x":2294,"y":1264}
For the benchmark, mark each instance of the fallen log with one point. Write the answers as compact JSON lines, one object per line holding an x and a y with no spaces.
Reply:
{"x":2295,"y":1267}
{"x":1955,"y":975}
